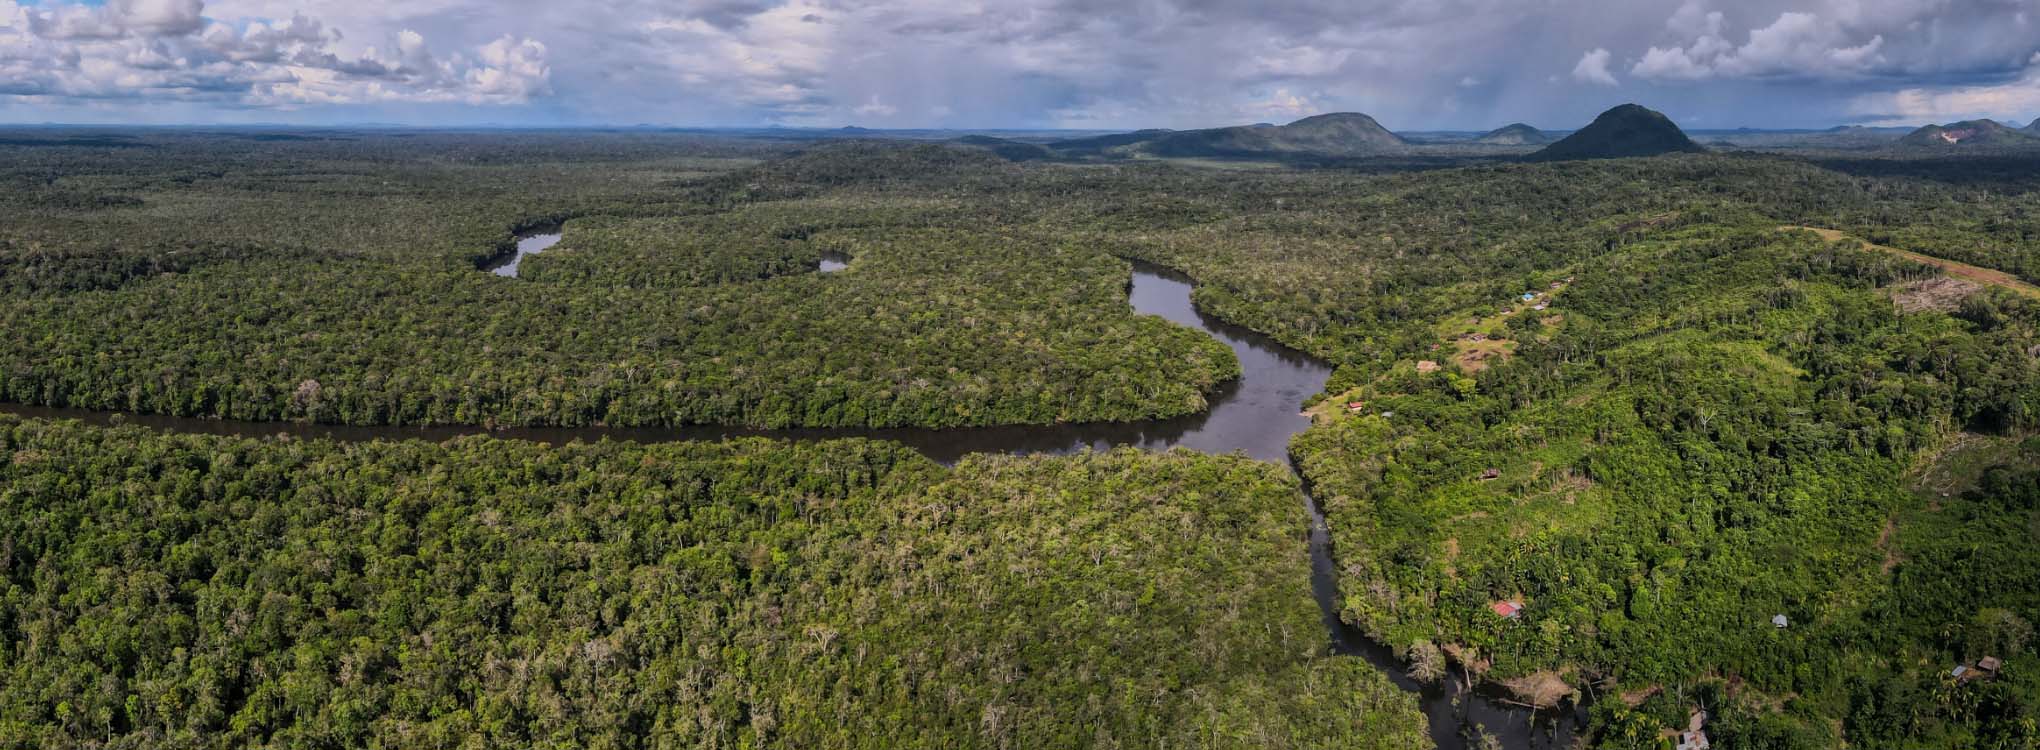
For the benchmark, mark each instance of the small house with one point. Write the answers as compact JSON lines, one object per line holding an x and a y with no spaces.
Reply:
{"x":1984,"y":669}
{"x":1557,"y":284}
{"x":1491,"y":475}
{"x":1539,"y":307}
{"x":1427,"y":366}
{"x":1527,"y":296}
{"x":1695,"y":735}
{"x":1354,"y":407}
{"x":1507,"y":610}
{"x":1780,"y":622}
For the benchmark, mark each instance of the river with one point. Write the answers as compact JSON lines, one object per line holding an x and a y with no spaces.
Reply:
{"x":1256,"y":415}
{"x":528,"y":244}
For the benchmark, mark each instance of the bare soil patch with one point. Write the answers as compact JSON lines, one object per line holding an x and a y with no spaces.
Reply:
{"x":1938,"y":294}
{"x":1978,"y":274}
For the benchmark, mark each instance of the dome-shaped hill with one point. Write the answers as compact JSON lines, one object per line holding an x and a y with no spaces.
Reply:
{"x":1340,"y":134}
{"x":1514,"y":134}
{"x":1336,"y":134}
{"x":1625,"y":131}
{"x":1970,"y":133}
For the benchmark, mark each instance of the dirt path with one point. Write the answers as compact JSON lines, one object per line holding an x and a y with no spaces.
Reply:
{"x":1958,"y":270}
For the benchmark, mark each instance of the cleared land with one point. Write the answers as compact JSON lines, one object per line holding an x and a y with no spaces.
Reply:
{"x":1979,"y":274}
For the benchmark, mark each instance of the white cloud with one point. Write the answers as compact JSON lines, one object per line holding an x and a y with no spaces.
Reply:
{"x":1080,"y":63}
{"x":1693,"y":19}
{"x":1282,"y":103}
{"x":1593,"y":68}
{"x":1669,"y":64}
{"x":1845,"y":40}
{"x":154,"y":50}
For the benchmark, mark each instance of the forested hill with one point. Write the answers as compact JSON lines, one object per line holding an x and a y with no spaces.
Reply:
{"x":1339,"y":134}
{"x":1625,"y":131}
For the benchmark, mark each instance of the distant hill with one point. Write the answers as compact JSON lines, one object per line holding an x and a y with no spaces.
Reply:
{"x":1628,"y":130}
{"x":1339,"y":134}
{"x":1098,"y":144}
{"x":1969,"y":133}
{"x":2035,"y":127}
{"x":1009,"y":150}
{"x":1514,"y":134}
{"x":1839,"y":137}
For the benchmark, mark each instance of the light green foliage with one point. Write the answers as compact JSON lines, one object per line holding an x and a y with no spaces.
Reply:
{"x":1717,"y":434}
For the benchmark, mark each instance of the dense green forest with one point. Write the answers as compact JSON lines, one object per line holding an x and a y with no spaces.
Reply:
{"x":330,"y":280}
{"x":947,"y":321}
{"x":1714,"y":426}
{"x":212,"y":592}
{"x":1705,"y":421}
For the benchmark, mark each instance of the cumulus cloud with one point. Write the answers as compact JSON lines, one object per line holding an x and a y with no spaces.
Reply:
{"x":170,"y":50}
{"x":1282,"y":104}
{"x":1593,"y":68}
{"x":1796,"y":45}
{"x":1071,"y":63}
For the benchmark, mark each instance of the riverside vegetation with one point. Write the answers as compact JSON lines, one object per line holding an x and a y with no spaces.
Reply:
{"x":1711,"y":422}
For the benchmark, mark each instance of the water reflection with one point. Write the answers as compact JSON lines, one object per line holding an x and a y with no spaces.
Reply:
{"x":531,"y":243}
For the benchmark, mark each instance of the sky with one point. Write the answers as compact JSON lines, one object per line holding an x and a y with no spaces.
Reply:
{"x":973,"y":64}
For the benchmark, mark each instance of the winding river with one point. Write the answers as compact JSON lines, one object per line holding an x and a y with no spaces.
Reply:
{"x":1256,"y":415}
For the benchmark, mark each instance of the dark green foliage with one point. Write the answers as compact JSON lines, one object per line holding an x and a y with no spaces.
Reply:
{"x":1625,"y":131}
{"x":196,"y":591}
{"x":651,"y":253}
{"x":949,"y":320}
{"x":1716,"y":421}
{"x":1009,"y":150}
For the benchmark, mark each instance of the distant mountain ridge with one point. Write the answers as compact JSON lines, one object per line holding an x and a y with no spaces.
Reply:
{"x":1340,"y":134}
{"x":1625,"y":131}
{"x":1971,"y":133}
{"x":1514,"y":134}
{"x":1007,"y":149}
